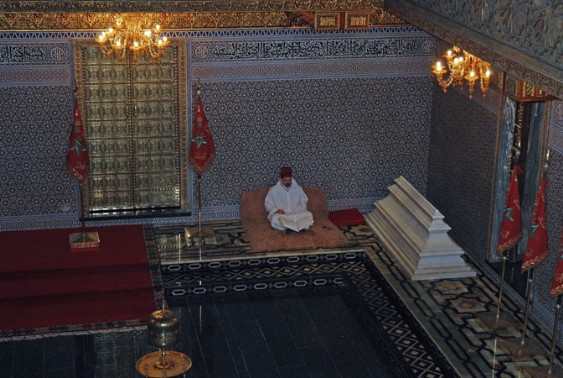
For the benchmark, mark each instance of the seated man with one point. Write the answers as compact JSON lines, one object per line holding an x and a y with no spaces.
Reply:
{"x":286,"y":204}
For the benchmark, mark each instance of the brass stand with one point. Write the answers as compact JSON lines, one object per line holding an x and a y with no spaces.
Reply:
{"x":163,"y":363}
{"x":163,"y":332}
{"x":200,"y":236}
{"x":543,"y":372}
{"x":522,"y":351}
{"x":84,"y":240}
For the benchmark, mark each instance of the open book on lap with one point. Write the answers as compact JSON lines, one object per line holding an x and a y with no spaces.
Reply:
{"x":296,"y":222}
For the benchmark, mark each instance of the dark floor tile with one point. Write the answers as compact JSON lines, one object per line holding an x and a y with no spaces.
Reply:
{"x":239,"y":361}
{"x":28,"y":372}
{"x":294,"y":372}
{"x":273,"y":325}
{"x":319,"y":363}
{"x":59,"y":353}
{"x":374,"y":359}
{"x":325,"y":372}
{"x":222,"y":366}
{"x":105,"y":359}
{"x":284,"y":351}
{"x":307,"y":340}
{"x":349,"y":323}
{"x":266,"y":309}
{"x":60,"y":373}
{"x":339,"y":346}
{"x":299,"y":326}
{"x":90,"y":358}
{"x":291,"y":308}
{"x":249,"y":335}
{"x":198,"y":370}
{"x":124,"y":357}
{"x":353,"y":367}
{"x":221,"y":356}
{"x":260,"y":364}
{"x":24,"y":352}
{"x":240,"y":312}
{"x":6,"y":357}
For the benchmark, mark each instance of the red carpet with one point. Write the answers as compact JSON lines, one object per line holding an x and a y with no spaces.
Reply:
{"x":348,"y":217}
{"x":43,"y":284}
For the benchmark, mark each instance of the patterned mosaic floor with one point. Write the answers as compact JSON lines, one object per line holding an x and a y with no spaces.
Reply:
{"x":452,"y":321}
{"x":316,"y":313}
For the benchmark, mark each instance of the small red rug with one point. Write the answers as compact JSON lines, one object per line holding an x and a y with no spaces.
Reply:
{"x":46,"y":285}
{"x":348,"y":217}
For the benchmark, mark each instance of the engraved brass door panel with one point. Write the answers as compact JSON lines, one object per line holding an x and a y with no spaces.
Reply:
{"x":134,"y":115}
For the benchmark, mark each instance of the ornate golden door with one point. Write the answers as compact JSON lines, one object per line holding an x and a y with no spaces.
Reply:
{"x":135,"y":122}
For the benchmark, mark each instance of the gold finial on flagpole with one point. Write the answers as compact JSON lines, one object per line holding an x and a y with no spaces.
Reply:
{"x":198,"y":88}
{"x":546,"y":162}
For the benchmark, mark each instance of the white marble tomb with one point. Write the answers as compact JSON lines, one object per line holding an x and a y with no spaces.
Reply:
{"x":413,"y":231}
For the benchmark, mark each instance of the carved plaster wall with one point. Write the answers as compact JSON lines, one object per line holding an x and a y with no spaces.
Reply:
{"x":316,"y":101}
{"x":522,"y":38}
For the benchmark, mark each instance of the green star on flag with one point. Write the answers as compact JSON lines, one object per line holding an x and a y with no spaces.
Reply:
{"x":78,"y":147}
{"x":508,"y":213}
{"x":199,"y":140}
{"x":533,"y":231}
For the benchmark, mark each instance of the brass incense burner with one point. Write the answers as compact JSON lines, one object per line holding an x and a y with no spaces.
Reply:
{"x":163,"y":332}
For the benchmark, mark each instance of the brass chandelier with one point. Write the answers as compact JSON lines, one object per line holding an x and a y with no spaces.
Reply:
{"x":461,"y":66}
{"x":133,"y":34}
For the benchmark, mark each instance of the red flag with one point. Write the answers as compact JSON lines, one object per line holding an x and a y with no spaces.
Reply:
{"x":511,"y":226}
{"x":557,"y":283}
{"x":537,"y":248}
{"x":77,"y":160}
{"x":202,"y":148}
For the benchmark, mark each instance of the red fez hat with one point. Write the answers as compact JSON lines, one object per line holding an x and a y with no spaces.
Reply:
{"x":286,"y":172}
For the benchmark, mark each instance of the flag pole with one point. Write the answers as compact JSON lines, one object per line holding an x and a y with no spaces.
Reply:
{"x":515,"y":158}
{"x":199,"y":213}
{"x":77,"y":162}
{"x":82,"y":220}
{"x":513,"y":180}
{"x":530,"y":282}
{"x":554,"y":335}
{"x":501,"y":288}
{"x":202,"y":153}
{"x":529,"y":286}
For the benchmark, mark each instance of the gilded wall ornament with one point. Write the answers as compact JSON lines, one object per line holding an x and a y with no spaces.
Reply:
{"x":176,"y":21}
{"x":67,"y":6}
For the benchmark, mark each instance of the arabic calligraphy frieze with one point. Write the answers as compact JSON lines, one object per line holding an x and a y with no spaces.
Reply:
{"x":311,"y":49}
{"x":49,"y":53}
{"x":263,"y":71}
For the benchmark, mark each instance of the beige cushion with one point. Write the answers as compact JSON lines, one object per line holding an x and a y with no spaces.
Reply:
{"x":262,"y":237}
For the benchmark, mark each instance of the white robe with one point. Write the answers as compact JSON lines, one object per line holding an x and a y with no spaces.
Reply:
{"x":293,"y":201}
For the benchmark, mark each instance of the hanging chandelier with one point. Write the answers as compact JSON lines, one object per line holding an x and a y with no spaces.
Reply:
{"x":460,"y":66}
{"x":133,"y":34}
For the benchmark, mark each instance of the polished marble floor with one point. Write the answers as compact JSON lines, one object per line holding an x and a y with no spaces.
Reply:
{"x":330,"y":313}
